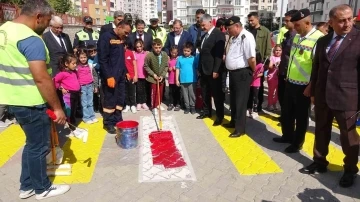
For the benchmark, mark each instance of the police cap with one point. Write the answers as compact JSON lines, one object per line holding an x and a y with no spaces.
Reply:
{"x":301,"y":14}
{"x":87,"y":19}
{"x":232,"y":20}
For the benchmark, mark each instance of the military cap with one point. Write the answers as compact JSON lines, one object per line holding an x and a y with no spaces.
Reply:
{"x":301,"y":14}
{"x":87,"y":19}
{"x":232,"y":20}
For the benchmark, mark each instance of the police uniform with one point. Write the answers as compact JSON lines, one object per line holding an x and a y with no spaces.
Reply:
{"x":242,"y":48}
{"x":158,"y":32}
{"x":111,"y":53}
{"x":85,"y":37}
{"x":296,"y":104}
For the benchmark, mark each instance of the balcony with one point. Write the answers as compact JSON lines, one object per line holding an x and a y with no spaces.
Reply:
{"x":254,"y":3}
{"x":315,"y":1}
{"x":225,"y":11}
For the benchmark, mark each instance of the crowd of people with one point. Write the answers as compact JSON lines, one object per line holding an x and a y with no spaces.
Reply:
{"x":124,"y":68}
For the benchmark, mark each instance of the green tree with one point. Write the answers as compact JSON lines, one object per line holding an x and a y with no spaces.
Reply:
{"x":60,"y":6}
{"x":73,"y":11}
{"x":14,"y":2}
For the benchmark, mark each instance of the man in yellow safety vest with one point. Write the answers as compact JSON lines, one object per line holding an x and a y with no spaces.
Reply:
{"x":27,"y":89}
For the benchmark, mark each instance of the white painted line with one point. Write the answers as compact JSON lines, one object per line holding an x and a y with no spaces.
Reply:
{"x":148,"y":172}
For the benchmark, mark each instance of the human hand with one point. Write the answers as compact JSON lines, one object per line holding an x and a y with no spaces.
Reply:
{"x":160,"y":78}
{"x":215,"y":75}
{"x":307,"y":91}
{"x":135,"y":79}
{"x":60,"y":116}
{"x":111,"y":82}
{"x":64,"y":91}
{"x":156,"y":77}
{"x":95,"y":90}
{"x":177,"y":83}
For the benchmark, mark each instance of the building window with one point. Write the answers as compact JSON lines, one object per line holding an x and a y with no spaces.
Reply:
{"x":263,"y":1}
{"x":214,"y":2}
{"x":98,"y":21}
{"x":269,"y":1}
{"x":326,"y":16}
{"x":85,"y":10}
{"x":246,"y":11}
{"x":327,"y":4}
{"x":269,"y":8}
{"x":237,"y":2}
{"x":97,"y":11}
{"x":237,"y":11}
{"x":206,"y":3}
{"x":105,"y":11}
{"x":214,"y":11}
{"x":97,"y":2}
{"x":262,"y":8}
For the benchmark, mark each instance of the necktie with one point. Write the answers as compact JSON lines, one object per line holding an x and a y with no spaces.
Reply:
{"x":206,"y":36}
{"x":334,"y":47}
{"x":61,"y":42}
{"x":140,"y":36}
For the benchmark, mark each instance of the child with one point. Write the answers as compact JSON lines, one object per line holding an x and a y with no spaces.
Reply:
{"x":141,"y":85}
{"x":93,"y":62}
{"x":272,"y":78}
{"x":88,"y":81}
{"x":131,"y":79}
{"x":174,"y":90}
{"x":186,"y":75}
{"x":156,"y":66}
{"x":66,"y":81}
{"x":252,"y":104}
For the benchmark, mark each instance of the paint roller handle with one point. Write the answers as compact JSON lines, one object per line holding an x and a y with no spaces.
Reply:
{"x":59,"y":117}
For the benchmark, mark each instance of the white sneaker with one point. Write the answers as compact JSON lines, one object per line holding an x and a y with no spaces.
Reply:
{"x":89,"y":122}
{"x":8,"y":122}
{"x":247,"y":113}
{"x":127,"y":108}
{"x":3,"y":124}
{"x":78,"y":133}
{"x":155,"y":111}
{"x":133,"y":109}
{"x":254,"y":115}
{"x":54,"y":190}
{"x":26,"y":194}
{"x":95,"y":120}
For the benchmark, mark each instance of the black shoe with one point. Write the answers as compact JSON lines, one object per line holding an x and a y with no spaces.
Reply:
{"x":186,"y":111}
{"x":281,"y":140}
{"x":312,"y":168}
{"x":217,"y":122}
{"x":229,"y":125}
{"x":203,"y":116}
{"x":292,"y":149}
{"x":236,"y":134}
{"x":110,"y":129}
{"x":177,"y":108}
{"x":170,"y":107}
{"x":347,"y":180}
{"x":192,"y":110}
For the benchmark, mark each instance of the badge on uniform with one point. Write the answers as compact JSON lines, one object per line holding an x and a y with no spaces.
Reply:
{"x":84,"y":36}
{"x":96,"y":37}
{"x":301,"y":51}
{"x":113,"y":41}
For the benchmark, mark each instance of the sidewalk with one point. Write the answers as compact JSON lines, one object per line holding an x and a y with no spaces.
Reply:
{"x":116,"y":175}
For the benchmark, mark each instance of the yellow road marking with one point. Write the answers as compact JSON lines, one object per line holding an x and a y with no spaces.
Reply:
{"x":244,"y":153}
{"x":11,"y":140}
{"x":335,"y":156}
{"x":82,"y":156}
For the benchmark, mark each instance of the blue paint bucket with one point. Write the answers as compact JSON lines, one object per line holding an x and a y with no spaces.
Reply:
{"x":127,"y":134}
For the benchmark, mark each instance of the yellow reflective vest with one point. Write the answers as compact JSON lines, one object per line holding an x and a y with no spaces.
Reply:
{"x":160,"y":33}
{"x":17,"y":86}
{"x":300,"y":64}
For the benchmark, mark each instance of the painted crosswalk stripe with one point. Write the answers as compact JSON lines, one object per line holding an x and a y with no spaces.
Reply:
{"x":246,"y":155}
{"x":148,"y":172}
{"x":335,"y":156}
{"x":83,"y":156}
{"x":11,"y":140}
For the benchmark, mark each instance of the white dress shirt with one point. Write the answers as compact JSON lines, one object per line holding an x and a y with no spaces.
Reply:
{"x":57,"y":38}
{"x":177,"y":38}
{"x":241,"y":49}
{"x":142,"y":36}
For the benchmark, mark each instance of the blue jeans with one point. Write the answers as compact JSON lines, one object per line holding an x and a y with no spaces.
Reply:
{"x":36,"y":126}
{"x":87,"y":93}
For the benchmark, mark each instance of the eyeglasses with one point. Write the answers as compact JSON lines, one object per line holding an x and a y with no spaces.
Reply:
{"x":59,"y":28}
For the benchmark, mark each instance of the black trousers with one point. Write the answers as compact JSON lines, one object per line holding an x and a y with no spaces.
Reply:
{"x":295,"y":107}
{"x":281,"y":89}
{"x":141,"y":91}
{"x":212,"y":87}
{"x":261,"y":94}
{"x":74,"y":103}
{"x":174,"y":94}
{"x":240,"y":81}
{"x":130,"y":90}
{"x":113,"y":99}
{"x":253,"y":98}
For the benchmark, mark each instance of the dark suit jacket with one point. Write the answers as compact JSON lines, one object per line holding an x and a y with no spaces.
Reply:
{"x":336,"y":83}
{"x":147,"y":41}
{"x":211,"y":54}
{"x":55,"y":50}
{"x":170,"y":41}
{"x":106,"y":28}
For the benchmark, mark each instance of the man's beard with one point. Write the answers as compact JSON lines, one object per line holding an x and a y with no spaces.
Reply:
{"x":39,"y":30}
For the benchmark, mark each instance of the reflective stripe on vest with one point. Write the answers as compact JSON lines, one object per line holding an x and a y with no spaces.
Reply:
{"x":84,"y":36}
{"x":162,"y":34}
{"x":300,"y":64}
{"x":17,"y":86}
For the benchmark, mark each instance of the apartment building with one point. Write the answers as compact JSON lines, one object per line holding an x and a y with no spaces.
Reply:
{"x":97,"y":9}
{"x":149,"y":10}
{"x":320,"y":8}
{"x":163,"y":11}
{"x":268,"y":8}
{"x":185,"y":9}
